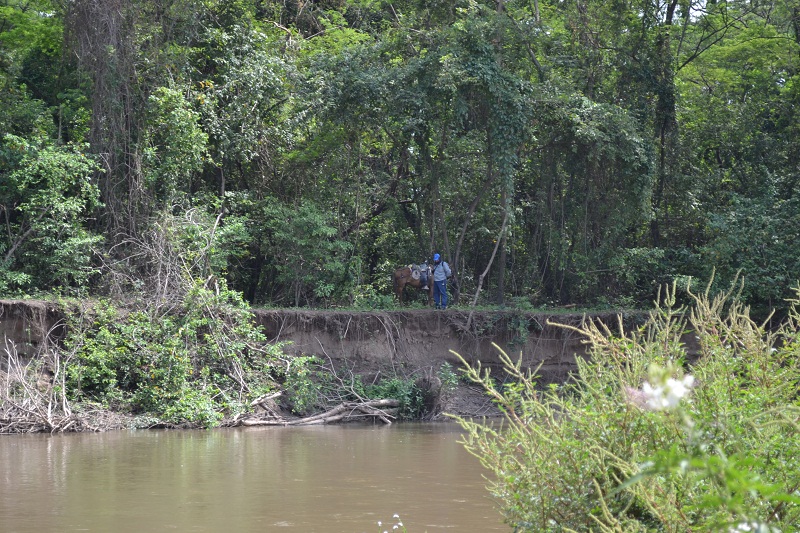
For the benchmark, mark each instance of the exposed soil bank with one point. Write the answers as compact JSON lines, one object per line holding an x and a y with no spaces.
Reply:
{"x":374,"y":341}
{"x":417,"y":342}
{"x":422,"y":339}
{"x":26,"y":324}
{"x":412,"y":343}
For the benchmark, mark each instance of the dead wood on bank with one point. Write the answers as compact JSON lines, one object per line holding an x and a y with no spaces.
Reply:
{"x":33,"y":400}
{"x":383,"y":410}
{"x":33,"y":397}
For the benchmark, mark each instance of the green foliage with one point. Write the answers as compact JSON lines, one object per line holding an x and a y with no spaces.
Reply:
{"x":630,"y":445}
{"x":448,"y":377}
{"x":39,"y":97}
{"x":335,"y":37}
{"x":308,"y":257}
{"x":601,"y":164}
{"x":637,"y":273}
{"x":174,"y":146}
{"x":102,"y":362}
{"x":20,"y":114}
{"x":202,"y":361}
{"x":624,"y":144}
{"x":240,"y":94}
{"x":368,"y":297}
{"x":46,"y":194}
{"x":312,"y":386}
{"x":405,"y":390}
{"x":518,"y":324}
{"x":756,"y":238}
{"x":206,"y":242}
{"x":26,"y":24}
{"x":305,"y":381}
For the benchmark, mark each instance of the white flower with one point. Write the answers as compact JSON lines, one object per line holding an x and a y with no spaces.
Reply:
{"x":756,"y":527}
{"x":668,"y":394}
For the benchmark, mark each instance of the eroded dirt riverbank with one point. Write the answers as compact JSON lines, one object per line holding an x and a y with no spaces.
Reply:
{"x":418,"y":342}
{"x":373,"y":344}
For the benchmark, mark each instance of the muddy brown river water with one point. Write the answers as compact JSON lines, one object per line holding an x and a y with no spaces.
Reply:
{"x":331,"y":479}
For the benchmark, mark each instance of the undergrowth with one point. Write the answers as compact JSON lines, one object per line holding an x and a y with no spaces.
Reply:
{"x":194,"y":364}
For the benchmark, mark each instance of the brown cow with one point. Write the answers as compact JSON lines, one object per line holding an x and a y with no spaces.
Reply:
{"x":406,"y":276}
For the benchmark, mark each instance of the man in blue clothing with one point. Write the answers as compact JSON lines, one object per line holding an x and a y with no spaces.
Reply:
{"x":441,"y":271}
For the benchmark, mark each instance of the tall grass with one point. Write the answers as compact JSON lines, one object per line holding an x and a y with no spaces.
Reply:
{"x":643,"y":439}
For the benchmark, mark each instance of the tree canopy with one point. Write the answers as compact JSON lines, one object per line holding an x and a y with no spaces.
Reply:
{"x":579,"y":152}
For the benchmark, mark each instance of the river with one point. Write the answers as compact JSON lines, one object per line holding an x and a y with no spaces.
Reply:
{"x":331,"y":479}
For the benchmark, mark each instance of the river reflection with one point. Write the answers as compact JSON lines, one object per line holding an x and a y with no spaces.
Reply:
{"x":341,"y":478}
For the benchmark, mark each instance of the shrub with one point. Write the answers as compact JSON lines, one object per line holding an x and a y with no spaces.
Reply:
{"x":406,"y":391}
{"x":307,"y":383}
{"x":641,"y":440}
{"x":202,"y":360}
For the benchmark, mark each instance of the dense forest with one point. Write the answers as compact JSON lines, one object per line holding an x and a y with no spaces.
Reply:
{"x":554,"y":151}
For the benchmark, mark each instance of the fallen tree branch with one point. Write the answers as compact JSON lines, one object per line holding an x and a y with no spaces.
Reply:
{"x":384,"y":410}
{"x":262,"y":399}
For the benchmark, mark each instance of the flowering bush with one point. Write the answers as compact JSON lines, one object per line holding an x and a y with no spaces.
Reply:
{"x":666,"y":394}
{"x":641,"y":440}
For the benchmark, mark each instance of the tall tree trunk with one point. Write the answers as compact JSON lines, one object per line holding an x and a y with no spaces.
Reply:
{"x":796,"y":23}
{"x":490,"y":177}
{"x":666,"y":123}
{"x":486,"y":270}
{"x":102,"y":35}
{"x":439,"y":219}
{"x":501,"y":260}
{"x":505,"y":198}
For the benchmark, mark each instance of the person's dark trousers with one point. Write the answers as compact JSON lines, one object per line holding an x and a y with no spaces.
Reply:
{"x":440,"y":294}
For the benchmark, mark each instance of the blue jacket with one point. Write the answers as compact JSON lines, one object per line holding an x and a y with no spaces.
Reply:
{"x":441,"y":271}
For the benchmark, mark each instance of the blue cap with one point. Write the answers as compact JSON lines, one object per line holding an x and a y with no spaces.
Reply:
{"x":435,"y":257}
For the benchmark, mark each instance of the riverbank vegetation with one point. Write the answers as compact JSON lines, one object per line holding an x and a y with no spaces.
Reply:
{"x":645,"y":439}
{"x":200,"y":361}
